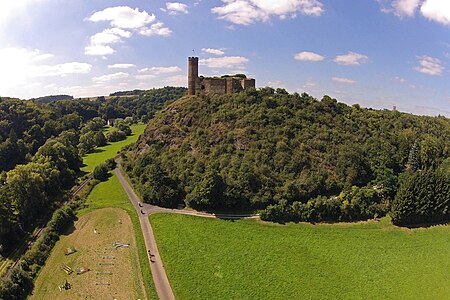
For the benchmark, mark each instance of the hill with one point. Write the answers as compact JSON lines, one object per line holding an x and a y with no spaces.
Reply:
{"x":259,"y":148}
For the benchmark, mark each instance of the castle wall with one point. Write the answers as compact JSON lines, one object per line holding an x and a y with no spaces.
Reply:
{"x":248,"y":83}
{"x":212,"y":85}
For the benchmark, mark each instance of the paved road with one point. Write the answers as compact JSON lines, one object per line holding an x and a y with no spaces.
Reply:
{"x":162,"y":285}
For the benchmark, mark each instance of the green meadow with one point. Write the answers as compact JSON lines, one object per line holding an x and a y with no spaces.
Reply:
{"x":101,"y":154}
{"x":246,"y":259}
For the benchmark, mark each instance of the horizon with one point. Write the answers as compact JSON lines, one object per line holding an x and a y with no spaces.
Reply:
{"x":376,"y":53}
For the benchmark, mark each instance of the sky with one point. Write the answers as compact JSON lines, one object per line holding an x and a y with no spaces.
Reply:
{"x":377,"y":53}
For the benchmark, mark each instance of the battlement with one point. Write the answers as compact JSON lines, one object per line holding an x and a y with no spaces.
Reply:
{"x":215,"y":85}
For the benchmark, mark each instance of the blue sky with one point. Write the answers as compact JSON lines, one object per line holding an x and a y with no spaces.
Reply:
{"x":378,"y":53}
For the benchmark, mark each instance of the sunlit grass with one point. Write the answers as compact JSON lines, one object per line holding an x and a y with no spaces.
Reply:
{"x":111,"y":194}
{"x":101,"y":154}
{"x":218,"y":259}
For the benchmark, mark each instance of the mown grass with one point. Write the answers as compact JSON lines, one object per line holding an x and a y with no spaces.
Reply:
{"x":111,"y":194}
{"x":218,"y":259}
{"x":101,"y":154}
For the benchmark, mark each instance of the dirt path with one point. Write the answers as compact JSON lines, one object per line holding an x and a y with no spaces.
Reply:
{"x":162,"y":285}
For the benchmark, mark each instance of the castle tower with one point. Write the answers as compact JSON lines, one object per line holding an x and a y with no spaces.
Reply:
{"x":192,"y":74}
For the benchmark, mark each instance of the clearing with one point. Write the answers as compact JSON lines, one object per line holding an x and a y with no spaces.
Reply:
{"x":247,"y":259}
{"x":104,"y":205}
{"x":101,"y":154}
{"x":114,"y":273}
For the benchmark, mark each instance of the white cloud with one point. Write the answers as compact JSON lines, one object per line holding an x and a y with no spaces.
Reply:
{"x":213,"y":51}
{"x":155,"y":29}
{"x":98,"y":50}
{"x":161,"y":70}
{"x":120,"y":18}
{"x":175,"y":8}
{"x":437,"y":10}
{"x":24,"y":66}
{"x":405,"y":7}
{"x":228,"y":62}
{"x":121,"y":66}
{"x":434,"y":10}
{"x":110,"y":77}
{"x":109,"y":36}
{"x":351,"y":59}
{"x":343,"y":80}
{"x":308,"y":56}
{"x":61,"y":69}
{"x":245,"y":12}
{"x":430,"y":66}
{"x":123,"y":17}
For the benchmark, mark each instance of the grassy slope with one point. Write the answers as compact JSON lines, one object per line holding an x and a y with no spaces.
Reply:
{"x":111,"y":194}
{"x":103,"y":153}
{"x":217,"y":259}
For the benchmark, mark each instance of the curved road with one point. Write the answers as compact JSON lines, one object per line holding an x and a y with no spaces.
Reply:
{"x":162,"y":285}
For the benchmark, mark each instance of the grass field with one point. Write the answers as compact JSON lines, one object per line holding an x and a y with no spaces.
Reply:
{"x":218,"y":259}
{"x":93,"y":249}
{"x":105,"y":195}
{"x":101,"y":154}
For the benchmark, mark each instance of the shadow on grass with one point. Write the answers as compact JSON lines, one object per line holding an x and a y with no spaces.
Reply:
{"x":97,"y":150}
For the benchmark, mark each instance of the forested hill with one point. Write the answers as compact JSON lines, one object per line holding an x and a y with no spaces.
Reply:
{"x":264,"y":147}
{"x":26,"y":125}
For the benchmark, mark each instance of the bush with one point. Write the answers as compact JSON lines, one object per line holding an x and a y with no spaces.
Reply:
{"x":115,"y":136}
{"x":101,"y":172}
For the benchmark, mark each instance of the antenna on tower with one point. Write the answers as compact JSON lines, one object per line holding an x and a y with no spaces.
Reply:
{"x":193,"y":52}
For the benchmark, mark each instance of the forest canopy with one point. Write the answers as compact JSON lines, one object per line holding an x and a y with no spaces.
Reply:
{"x":291,"y":155}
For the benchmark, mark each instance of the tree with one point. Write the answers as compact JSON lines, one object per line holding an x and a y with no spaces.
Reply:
{"x":101,"y":172}
{"x":207,"y":193}
{"x":413,"y":163}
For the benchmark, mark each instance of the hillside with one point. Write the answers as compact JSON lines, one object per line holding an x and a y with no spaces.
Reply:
{"x":258,"y":148}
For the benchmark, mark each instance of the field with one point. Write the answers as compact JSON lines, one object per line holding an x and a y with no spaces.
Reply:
{"x":101,"y":154}
{"x":219,"y":259}
{"x":111,"y":224}
{"x":105,"y":199}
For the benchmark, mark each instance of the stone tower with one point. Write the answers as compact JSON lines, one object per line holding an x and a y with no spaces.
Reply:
{"x":192,"y":74}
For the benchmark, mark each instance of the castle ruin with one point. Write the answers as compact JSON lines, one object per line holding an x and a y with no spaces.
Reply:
{"x":215,"y":85}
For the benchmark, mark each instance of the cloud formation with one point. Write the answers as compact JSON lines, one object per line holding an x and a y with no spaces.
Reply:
{"x":351,"y":59}
{"x":343,"y":80}
{"x":225,"y":62}
{"x":213,"y":51}
{"x":110,"y":77}
{"x":308,"y":56}
{"x":26,"y":66}
{"x":437,"y":10}
{"x":246,"y":12}
{"x":434,"y":10}
{"x":175,"y":8}
{"x":430,"y":66}
{"x":123,"y":21}
{"x":121,"y":66}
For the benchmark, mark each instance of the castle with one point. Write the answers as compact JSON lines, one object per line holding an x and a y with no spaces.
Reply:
{"x":215,"y":85}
